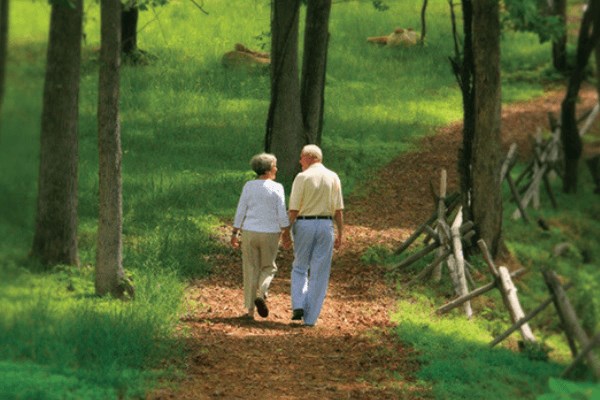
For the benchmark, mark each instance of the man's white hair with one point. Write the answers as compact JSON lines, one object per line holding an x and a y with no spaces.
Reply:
{"x":313,"y":151}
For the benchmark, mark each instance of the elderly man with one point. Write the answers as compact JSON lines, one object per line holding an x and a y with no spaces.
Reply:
{"x":315,"y":203}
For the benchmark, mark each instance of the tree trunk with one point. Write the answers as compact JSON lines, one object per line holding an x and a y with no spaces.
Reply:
{"x":285,"y":134}
{"x":55,"y":238}
{"x":464,"y":70}
{"x":423,"y":22}
{"x":129,"y":22}
{"x":569,"y":134}
{"x":486,"y":157}
{"x":3,"y":46}
{"x":597,"y":59}
{"x":109,"y":269}
{"x":316,"y":41}
{"x":559,"y":46}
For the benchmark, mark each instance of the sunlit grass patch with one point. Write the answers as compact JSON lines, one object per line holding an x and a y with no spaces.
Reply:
{"x":455,"y":358}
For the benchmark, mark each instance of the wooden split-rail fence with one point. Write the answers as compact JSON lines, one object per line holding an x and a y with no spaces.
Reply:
{"x":546,"y":164}
{"x":447,"y":242}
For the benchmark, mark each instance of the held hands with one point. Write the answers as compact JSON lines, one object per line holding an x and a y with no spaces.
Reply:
{"x":235,"y":240}
{"x":286,"y":240}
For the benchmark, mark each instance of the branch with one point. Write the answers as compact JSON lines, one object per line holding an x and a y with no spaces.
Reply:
{"x":199,"y":7}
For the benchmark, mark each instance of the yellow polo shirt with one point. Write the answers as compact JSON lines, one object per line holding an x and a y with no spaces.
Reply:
{"x":316,"y":191}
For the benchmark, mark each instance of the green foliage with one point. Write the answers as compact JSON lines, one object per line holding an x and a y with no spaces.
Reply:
{"x":380,"y":5}
{"x":144,"y":5}
{"x":376,"y":255}
{"x":527,"y":16}
{"x":535,"y":351}
{"x":561,"y":389}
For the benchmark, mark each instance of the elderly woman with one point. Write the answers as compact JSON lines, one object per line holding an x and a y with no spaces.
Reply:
{"x":261,"y":217}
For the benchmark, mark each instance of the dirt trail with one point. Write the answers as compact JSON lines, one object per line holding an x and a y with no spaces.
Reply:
{"x":351,"y":351}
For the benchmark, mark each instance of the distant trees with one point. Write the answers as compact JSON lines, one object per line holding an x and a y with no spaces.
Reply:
{"x":130,"y":11}
{"x":110,"y":276}
{"x":129,"y":22}
{"x":55,"y":237}
{"x":295,"y":115}
{"x":545,"y":18}
{"x":558,"y":8}
{"x":3,"y":46}
{"x":588,"y":40}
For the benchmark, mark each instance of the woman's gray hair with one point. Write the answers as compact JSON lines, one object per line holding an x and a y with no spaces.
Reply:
{"x":313,"y":151}
{"x":262,"y":163}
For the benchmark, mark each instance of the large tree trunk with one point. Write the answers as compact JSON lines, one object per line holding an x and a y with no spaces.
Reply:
{"x":129,"y":22}
{"x":55,"y":238}
{"x":314,"y":67}
{"x":597,"y":59}
{"x":109,"y":269}
{"x":285,"y":134}
{"x":486,"y":159}
{"x":3,"y":46}
{"x":464,"y":70}
{"x":569,"y":133}
{"x":559,"y":46}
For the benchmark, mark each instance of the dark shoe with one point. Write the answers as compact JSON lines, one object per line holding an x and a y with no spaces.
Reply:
{"x":261,"y":307}
{"x":297,"y":314}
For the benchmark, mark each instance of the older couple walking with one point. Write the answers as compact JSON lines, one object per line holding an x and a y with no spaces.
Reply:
{"x":315,"y":205}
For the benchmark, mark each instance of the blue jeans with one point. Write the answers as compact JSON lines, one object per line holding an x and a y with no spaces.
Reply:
{"x":313,"y":250}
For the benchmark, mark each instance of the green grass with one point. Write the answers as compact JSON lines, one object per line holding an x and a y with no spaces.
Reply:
{"x":456,"y":361}
{"x":58,"y":340}
{"x":189,"y":127}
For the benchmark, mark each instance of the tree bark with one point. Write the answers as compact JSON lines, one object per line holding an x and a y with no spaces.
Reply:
{"x":3,"y":46}
{"x":559,"y":46}
{"x":597,"y":59}
{"x":423,"y":22}
{"x":129,"y":22}
{"x":109,"y":269}
{"x":569,"y":134}
{"x":463,"y":66}
{"x":486,"y":157}
{"x":284,"y":132}
{"x":55,"y":237}
{"x":314,"y":67}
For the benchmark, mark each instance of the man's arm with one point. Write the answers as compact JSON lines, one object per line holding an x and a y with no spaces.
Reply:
{"x":338,"y":217}
{"x":292,"y":215}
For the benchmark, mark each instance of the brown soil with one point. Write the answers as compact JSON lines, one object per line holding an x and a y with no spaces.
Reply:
{"x":353,"y":352}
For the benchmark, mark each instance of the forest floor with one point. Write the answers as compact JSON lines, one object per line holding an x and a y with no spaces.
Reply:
{"x":352,"y":352}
